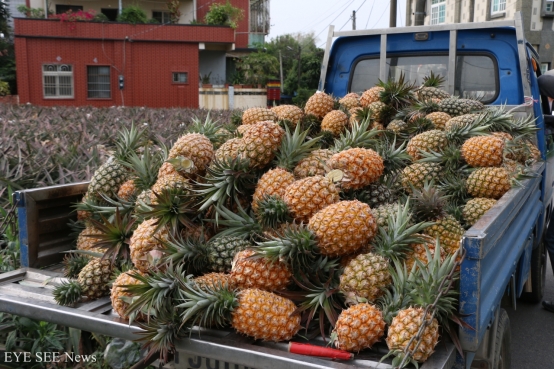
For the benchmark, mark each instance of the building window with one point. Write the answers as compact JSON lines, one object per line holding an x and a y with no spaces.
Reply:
{"x":57,"y":80}
{"x":162,"y":17}
{"x":498,"y":6}
{"x":180,"y":77}
{"x":544,"y":67}
{"x":438,"y":11}
{"x":98,"y":82}
{"x":549,"y":6}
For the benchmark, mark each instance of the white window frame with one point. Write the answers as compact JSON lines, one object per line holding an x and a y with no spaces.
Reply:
{"x":438,"y":8}
{"x":51,"y":75}
{"x":498,"y":7}
{"x":166,"y":16}
{"x":546,"y":4}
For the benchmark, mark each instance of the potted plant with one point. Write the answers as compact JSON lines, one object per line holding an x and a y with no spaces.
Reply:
{"x":205,"y":80}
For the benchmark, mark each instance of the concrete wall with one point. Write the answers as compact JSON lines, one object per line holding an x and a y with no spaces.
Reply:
{"x":240,"y":98}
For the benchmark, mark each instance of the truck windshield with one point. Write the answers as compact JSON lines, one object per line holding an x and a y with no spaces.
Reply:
{"x":475,"y":75}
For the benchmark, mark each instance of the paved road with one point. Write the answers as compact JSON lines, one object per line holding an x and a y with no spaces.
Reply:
{"x":533,"y":332}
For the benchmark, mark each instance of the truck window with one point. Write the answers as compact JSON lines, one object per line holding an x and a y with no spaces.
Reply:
{"x":475,"y":78}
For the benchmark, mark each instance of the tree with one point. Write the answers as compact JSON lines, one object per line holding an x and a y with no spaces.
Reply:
{"x":310,"y":71}
{"x":259,"y":67}
{"x":7,"y":55}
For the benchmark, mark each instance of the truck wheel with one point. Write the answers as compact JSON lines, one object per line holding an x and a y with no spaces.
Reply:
{"x":502,"y":347}
{"x":538,"y":275}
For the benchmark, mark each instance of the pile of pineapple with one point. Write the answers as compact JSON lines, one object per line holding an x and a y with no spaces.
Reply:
{"x":341,"y":219}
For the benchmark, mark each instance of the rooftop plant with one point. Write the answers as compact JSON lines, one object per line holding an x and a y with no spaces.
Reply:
{"x":224,"y":15}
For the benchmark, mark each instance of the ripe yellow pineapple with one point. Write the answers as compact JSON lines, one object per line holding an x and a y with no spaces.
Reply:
{"x":214,"y":281}
{"x":370,"y":96}
{"x":365,"y":276}
{"x":272,"y":183}
{"x":127,"y":190}
{"x":86,"y":239}
{"x":319,"y":104}
{"x":483,"y":151}
{"x":196,"y":147}
{"x":488,"y":182}
{"x":343,"y":227}
{"x":119,"y":296}
{"x":416,"y":174}
{"x":475,"y":208}
{"x":255,"y":115}
{"x":360,"y":167}
{"x":406,"y":325}
{"x":291,"y":113}
{"x":307,"y":196}
{"x":167,"y":182}
{"x":350,"y":101}
{"x":397,"y":126}
{"x":335,"y":122}
{"x":249,"y":271}
{"x":145,"y":240}
{"x":260,"y":142}
{"x":358,"y":327}
{"x":439,"y":119}
{"x":419,"y":251}
{"x":313,"y":165}
{"x":229,"y":150}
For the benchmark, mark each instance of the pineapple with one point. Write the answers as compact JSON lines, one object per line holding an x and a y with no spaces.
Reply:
{"x":370,"y":96}
{"x":414,"y":175}
{"x":252,"y":271}
{"x":73,"y":264}
{"x":456,"y":106}
{"x":213,"y":281}
{"x":127,"y":191}
{"x":92,"y":282}
{"x":418,"y":251}
{"x":146,"y":240}
{"x":335,"y":122}
{"x":483,"y":151}
{"x":195,"y":147}
{"x":274,"y":182}
{"x":397,"y":126}
{"x":433,"y":140}
{"x":431,"y":88}
{"x":255,"y":115}
{"x":119,"y":295}
{"x":289,"y":113}
{"x":359,"y":166}
{"x":488,"y":182}
{"x":349,"y":101}
{"x":319,"y":104}
{"x":358,"y":327}
{"x":307,"y":196}
{"x":107,"y":179}
{"x":88,"y":238}
{"x":475,"y":208}
{"x":313,"y":165}
{"x":367,"y":275}
{"x":439,"y":119}
{"x":222,"y":250}
{"x":397,"y":93}
{"x":173,"y":181}
{"x":383,"y":213}
{"x":422,"y":305}
{"x":229,"y":149}
{"x":343,"y":227}
{"x":260,"y":142}
{"x":461,"y":120}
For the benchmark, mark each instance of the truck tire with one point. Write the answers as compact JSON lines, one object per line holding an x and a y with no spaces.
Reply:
{"x":502,"y":347}
{"x":538,"y":275}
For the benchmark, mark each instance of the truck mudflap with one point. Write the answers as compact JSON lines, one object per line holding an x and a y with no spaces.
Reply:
{"x":28,"y":292}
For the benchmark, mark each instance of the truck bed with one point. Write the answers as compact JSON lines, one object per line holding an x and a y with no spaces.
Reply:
{"x":27,"y":292}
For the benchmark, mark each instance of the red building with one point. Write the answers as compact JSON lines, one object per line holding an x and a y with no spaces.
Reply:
{"x":109,"y":63}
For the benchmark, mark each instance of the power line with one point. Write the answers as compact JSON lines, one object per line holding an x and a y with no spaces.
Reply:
{"x":347,"y":5}
{"x":369,"y":16}
{"x":322,"y":19}
{"x":349,"y":19}
{"x":384,"y":11}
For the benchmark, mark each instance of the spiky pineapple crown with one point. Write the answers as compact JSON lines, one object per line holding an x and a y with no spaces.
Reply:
{"x":189,"y":253}
{"x":73,"y":264}
{"x":397,"y":297}
{"x":397,"y":93}
{"x":394,"y":156}
{"x":68,"y":293}
{"x":359,"y":136}
{"x":272,"y":211}
{"x":296,"y":245}
{"x":173,"y":208}
{"x":433,"y":80}
{"x":225,"y":180}
{"x":394,"y":241}
{"x":294,"y":147}
{"x":128,"y":142}
{"x":428,"y":202}
{"x":115,"y":235}
{"x":144,"y":167}
{"x":450,"y":157}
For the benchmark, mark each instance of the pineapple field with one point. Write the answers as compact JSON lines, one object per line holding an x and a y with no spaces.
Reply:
{"x":342,"y":218}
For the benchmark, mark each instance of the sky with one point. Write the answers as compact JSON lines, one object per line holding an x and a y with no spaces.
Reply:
{"x":305,"y":16}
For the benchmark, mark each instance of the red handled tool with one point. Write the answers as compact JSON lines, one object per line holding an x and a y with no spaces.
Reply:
{"x":313,"y":350}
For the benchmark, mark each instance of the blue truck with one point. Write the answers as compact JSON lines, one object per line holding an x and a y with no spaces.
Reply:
{"x":505,"y":257}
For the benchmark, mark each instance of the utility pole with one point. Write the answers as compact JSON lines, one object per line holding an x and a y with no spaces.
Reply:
{"x":299,"y":71}
{"x":353,"y":19}
{"x":392,"y":19}
{"x":419,"y":14}
{"x":281,"y":69}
